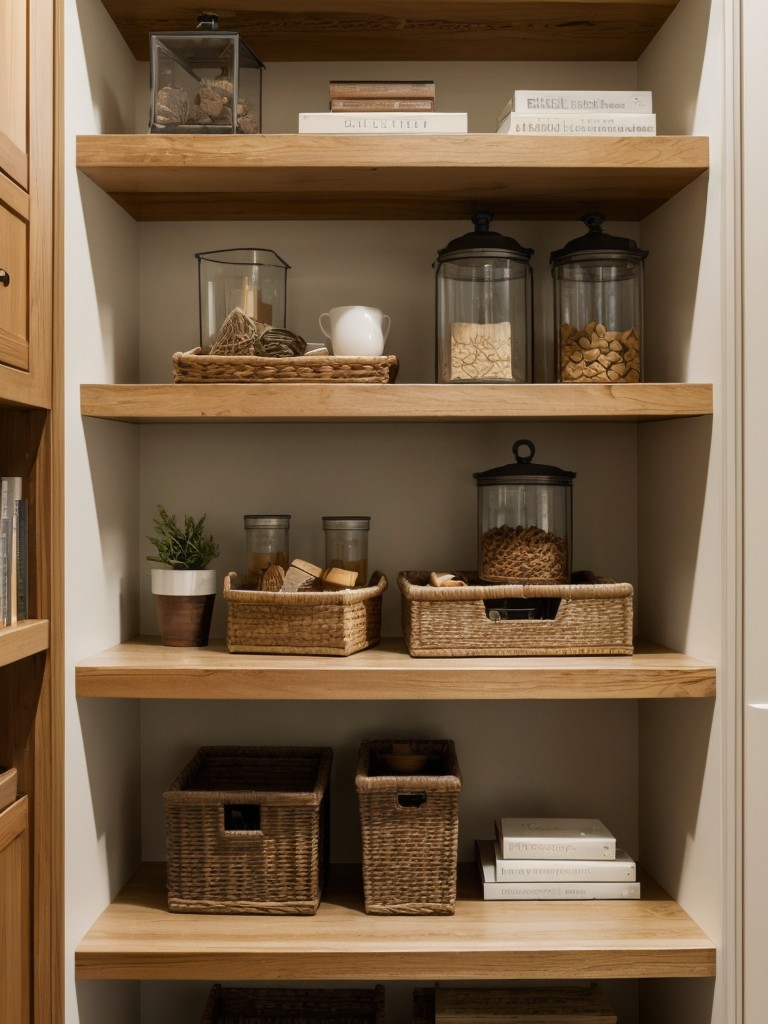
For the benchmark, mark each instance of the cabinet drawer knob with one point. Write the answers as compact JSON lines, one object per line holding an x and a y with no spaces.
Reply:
{"x":5,"y":278}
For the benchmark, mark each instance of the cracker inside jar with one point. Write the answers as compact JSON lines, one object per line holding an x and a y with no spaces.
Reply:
{"x":593,"y":354}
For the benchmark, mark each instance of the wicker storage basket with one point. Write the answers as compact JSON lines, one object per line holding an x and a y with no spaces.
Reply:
{"x":330,"y":622}
{"x":294,"y":1006}
{"x":594,"y":616}
{"x":562,"y":1002}
{"x":409,"y":820}
{"x":247,"y":830}
{"x":198,"y":367}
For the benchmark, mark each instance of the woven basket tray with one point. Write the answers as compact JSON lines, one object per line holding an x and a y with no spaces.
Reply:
{"x":594,"y":616}
{"x":330,"y":622}
{"x":294,"y":1005}
{"x":409,"y":825}
{"x":247,"y":830}
{"x":198,"y":367}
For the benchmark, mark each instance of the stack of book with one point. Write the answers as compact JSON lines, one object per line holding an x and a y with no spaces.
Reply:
{"x":382,"y":108}
{"x":13,"y":551}
{"x":572,"y":1003}
{"x":555,"y":859}
{"x":578,"y":113}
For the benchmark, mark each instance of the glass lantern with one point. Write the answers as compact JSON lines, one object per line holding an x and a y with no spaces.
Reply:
{"x":598,"y":294}
{"x":524,"y":517}
{"x":253,"y":280}
{"x":484,"y":314}
{"x":203,"y":82}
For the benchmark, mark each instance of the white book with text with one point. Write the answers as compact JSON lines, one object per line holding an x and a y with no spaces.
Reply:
{"x":577,"y":124}
{"x":591,"y":101}
{"x":495,"y":890}
{"x":555,"y":839}
{"x":622,"y":869}
{"x":331,"y":122}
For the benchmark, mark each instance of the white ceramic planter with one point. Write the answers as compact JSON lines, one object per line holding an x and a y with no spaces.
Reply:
{"x":183,"y":582}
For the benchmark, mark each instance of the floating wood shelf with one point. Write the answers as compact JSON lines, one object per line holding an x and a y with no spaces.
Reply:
{"x":371,"y":403}
{"x":144,"y":668}
{"x":137,"y":937}
{"x":28,"y":637}
{"x":291,"y":30}
{"x":320,"y":177}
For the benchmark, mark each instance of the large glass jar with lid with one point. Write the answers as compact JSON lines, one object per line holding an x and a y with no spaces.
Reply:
{"x":524,"y":515}
{"x":266,"y":544}
{"x":484,"y":289}
{"x":598,"y":295}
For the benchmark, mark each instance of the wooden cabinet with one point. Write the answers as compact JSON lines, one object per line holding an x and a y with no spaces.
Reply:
{"x":290,"y":177}
{"x":15,"y":972}
{"x":15,"y":25}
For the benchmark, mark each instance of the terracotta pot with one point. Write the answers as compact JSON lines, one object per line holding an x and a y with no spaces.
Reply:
{"x":184,"y":600}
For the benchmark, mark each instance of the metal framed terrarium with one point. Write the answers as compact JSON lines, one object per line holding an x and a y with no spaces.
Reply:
{"x":204,"y":82}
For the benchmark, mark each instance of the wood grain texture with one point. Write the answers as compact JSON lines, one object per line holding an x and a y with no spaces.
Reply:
{"x":144,"y":668}
{"x":420,"y":177}
{"x":371,"y":403}
{"x":14,"y":914}
{"x":291,"y":30}
{"x":137,"y":937}
{"x":29,"y":637}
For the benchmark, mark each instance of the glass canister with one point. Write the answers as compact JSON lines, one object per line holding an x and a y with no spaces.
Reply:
{"x":524,"y":521}
{"x":484,"y":308}
{"x":253,"y":280}
{"x":203,"y":82}
{"x":266,"y":543}
{"x":598,"y":293}
{"x":346,"y":544}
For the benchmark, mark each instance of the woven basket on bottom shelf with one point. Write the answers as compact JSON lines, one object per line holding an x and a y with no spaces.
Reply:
{"x":574,"y":1002}
{"x":294,"y":1006}
{"x":247,"y":830}
{"x":330,"y":622}
{"x":594,"y":616}
{"x":409,"y":825}
{"x":199,"y":367}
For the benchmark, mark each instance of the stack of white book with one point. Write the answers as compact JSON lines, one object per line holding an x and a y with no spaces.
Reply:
{"x":573,"y":113}
{"x":555,"y":859}
{"x":382,"y":108}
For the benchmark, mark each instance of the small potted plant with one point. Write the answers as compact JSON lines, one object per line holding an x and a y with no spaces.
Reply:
{"x":185,"y":591}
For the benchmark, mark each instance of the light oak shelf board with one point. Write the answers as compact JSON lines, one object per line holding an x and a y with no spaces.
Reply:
{"x":138,"y":938}
{"x":294,"y":30}
{"x":28,"y":637}
{"x":144,"y":668}
{"x":317,"y":177}
{"x":371,"y":403}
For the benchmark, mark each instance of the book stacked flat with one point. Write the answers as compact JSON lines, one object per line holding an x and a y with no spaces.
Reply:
{"x":573,"y":1003}
{"x":382,"y":108}
{"x":555,"y":859}
{"x":574,"y":113}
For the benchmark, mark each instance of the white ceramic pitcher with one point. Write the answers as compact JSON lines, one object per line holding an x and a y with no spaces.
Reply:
{"x":355,"y":330}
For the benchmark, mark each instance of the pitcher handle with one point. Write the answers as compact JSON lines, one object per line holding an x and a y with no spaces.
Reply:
{"x":385,"y":322}
{"x":327,"y":318}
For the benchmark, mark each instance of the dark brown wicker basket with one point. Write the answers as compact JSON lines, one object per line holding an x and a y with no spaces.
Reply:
{"x":331,"y":622}
{"x":409,"y":819}
{"x":574,"y":1002}
{"x":247,"y":830}
{"x":594,"y":616}
{"x":294,"y":1006}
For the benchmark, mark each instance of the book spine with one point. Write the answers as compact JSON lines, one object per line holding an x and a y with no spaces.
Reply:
{"x":572,"y":125}
{"x":381,"y":105}
{"x":22,"y":568}
{"x":561,"y":890}
{"x":623,"y":869}
{"x":532,"y":848}
{"x":329,"y":123}
{"x":10,"y":494}
{"x":526,"y":101}
{"x":339,"y":90}
{"x":5,"y":575}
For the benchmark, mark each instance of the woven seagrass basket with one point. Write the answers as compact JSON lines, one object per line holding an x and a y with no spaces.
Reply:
{"x":294,"y":1005}
{"x":572,"y":1002}
{"x":409,"y":822}
{"x":592,"y":615}
{"x":247,"y":830}
{"x":330,"y":622}
{"x":197,"y":366}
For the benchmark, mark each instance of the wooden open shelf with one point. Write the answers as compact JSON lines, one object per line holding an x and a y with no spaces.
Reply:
{"x":292,"y":30}
{"x":320,"y":177}
{"x":371,"y":403}
{"x":137,"y":937}
{"x":29,"y":637}
{"x":144,"y":668}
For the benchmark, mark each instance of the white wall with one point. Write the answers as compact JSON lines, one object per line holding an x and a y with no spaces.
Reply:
{"x":132,"y":302}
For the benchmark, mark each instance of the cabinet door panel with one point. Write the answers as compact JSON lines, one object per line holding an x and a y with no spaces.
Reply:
{"x":13,"y":90}
{"x":14,"y":914}
{"x":14,"y":320}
